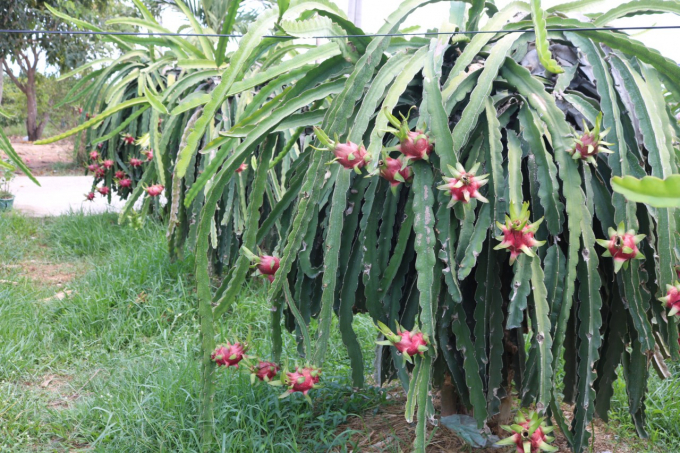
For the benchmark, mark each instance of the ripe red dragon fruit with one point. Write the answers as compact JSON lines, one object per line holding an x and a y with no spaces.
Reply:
{"x":125,"y":183}
{"x":154,"y":190}
{"x":301,"y":380}
{"x":414,"y":145}
{"x":590,"y":144}
{"x":464,"y":185}
{"x":350,"y":155}
{"x":88,"y":116}
{"x":149,"y":155}
{"x":241,"y":167}
{"x":104,"y":190}
{"x":622,"y":246}
{"x":264,"y":264}
{"x":672,"y":299}
{"x":518,"y":233}
{"x":89,"y":196}
{"x":408,"y":343}
{"x":94,"y":155}
{"x":264,"y":371}
{"x":529,"y":435}
{"x":92,"y":167}
{"x":80,"y":110}
{"x":100,"y":172}
{"x":120,"y":174}
{"x":108,"y":163}
{"x":128,"y":139}
{"x":229,"y":354}
{"x":134,"y":162}
{"x":394,"y":171}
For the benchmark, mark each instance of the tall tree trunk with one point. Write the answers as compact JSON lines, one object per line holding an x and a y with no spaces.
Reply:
{"x":33,"y":129}
{"x":2,"y":78}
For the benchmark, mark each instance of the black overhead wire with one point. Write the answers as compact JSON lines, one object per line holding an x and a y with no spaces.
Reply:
{"x":427,"y":33}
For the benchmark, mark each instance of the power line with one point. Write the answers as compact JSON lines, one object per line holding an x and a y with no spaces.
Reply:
{"x":427,"y":33}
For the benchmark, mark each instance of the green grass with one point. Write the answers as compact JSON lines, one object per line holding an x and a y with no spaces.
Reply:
{"x":121,"y":352}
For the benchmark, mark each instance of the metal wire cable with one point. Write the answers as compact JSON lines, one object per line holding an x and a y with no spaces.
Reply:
{"x":427,"y":33}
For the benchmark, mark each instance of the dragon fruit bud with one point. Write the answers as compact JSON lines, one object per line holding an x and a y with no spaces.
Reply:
{"x":120,"y":174}
{"x":136,"y":162}
{"x":350,"y":155}
{"x":590,"y":144}
{"x":100,"y":172}
{"x":518,"y":233}
{"x":416,"y":146}
{"x":104,"y":190}
{"x":94,"y":155}
{"x":264,"y":371}
{"x":464,"y":185}
{"x":125,"y":182}
{"x":89,"y":196}
{"x":622,"y":246}
{"x":108,"y":163}
{"x":149,"y":155}
{"x":229,"y":354}
{"x":154,"y":190}
{"x":672,"y":299}
{"x":241,"y":167}
{"x":394,"y":171}
{"x":408,"y":343}
{"x":128,"y":139}
{"x":93,"y":167}
{"x":100,"y":145}
{"x":529,"y":435}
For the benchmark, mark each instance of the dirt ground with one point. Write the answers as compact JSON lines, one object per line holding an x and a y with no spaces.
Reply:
{"x":47,"y":160}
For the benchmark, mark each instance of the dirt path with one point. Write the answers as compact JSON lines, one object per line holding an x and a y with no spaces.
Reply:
{"x":47,"y":160}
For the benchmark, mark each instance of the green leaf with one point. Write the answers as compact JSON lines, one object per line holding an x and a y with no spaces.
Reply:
{"x":542,"y":43}
{"x":637,"y":7}
{"x":227,"y":27}
{"x":283,"y":6}
{"x":658,"y":193}
{"x":6,"y":147}
{"x":154,"y":101}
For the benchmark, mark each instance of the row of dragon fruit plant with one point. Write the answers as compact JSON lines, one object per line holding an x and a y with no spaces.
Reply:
{"x":493,"y":285}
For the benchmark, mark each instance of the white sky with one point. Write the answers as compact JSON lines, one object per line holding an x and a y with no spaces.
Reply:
{"x":374,"y":13}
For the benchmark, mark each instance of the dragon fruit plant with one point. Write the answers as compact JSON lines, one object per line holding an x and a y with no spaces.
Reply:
{"x":529,"y":434}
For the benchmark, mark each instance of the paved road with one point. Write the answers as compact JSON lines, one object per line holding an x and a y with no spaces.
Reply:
{"x":59,"y":195}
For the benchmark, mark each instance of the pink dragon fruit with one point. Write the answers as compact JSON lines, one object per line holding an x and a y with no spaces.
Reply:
{"x":590,"y":144}
{"x":120,"y":174}
{"x":672,"y":299}
{"x":100,"y":145}
{"x":125,"y":183}
{"x":622,"y":246}
{"x":408,"y":343}
{"x":89,"y":196}
{"x":518,"y":233}
{"x":350,"y":155}
{"x":413,"y":145}
{"x":108,"y":163}
{"x":104,"y":190}
{"x":464,"y":185}
{"x":241,"y":167}
{"x":94,"y":155}
{"x":92,"y":167}
{"x":134,"y":162}
{"x":264,"y":371}
{"x":100,"y":172}
{"x":154,"y":190}
{"x":149,"y":155}
{"x":529,"y":435}
{"x":395,"y":171}
{"x":80,"y":110}
{"x":264,"y":265}
{"x":229,"y":354}
{"x":301,"y":380}
{"x":88,"y":116}
{"x":128,"y":139}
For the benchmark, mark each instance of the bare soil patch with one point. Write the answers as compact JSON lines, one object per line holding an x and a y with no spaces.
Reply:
{"x":46,"y":273}
{"x":47,"y":160}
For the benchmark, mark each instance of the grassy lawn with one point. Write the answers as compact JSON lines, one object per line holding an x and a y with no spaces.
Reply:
{"x":113,"y":365}
{"x":98,"y":352}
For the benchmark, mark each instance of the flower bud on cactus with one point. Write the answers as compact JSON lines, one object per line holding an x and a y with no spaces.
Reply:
{"x":413,"y":145}
{"x":265,"y":264}
{"x":154,"y":190}
{"x":590,"y":144}
{"x":136,"y":162}
{"x":241,"y":167}
{"x":408,"y":343}
{"x":350,"y":155}
{"x":149,"y":155}
{"x":622,"y":246}
{"x":518,"y":233}
{"x":128,"y":139}
{"x":529,"y":434}
{"x":89,"y":196}
{"x":264,"y":371}
{"x":104,"y":190}
{"x":125,"y":183}
{"x":229,"y":354}
{"x":395,"y":171}
{"x":94,"y":155}
{"x":672,"y":299}
{"x":464,"y":185}
{"x":108,"y":163}
{"x":120,"y":174}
